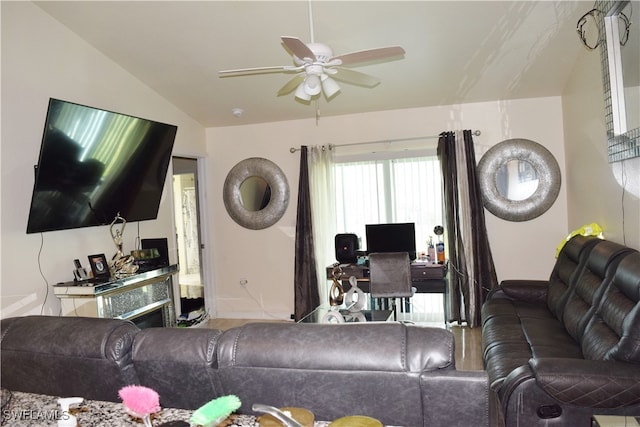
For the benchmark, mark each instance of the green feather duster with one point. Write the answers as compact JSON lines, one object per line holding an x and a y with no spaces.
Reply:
{"x":216,"y":411}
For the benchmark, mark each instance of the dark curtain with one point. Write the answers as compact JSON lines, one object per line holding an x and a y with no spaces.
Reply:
{"x":306,"y":295}
{"x":457,"y":265}
{"x":485,"y":277}
{"x":471,"y":270}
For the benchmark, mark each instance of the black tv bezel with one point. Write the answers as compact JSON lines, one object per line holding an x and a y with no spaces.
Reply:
{"x":164,"y":167}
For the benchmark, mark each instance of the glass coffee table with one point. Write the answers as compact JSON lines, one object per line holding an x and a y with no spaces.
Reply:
{"x":328,"y":314}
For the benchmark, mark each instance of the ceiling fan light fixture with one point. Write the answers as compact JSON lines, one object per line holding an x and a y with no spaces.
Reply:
{"x":312,"y":85}
{"x":329,"y":86}
{"x":301,"y":93}
{"x":315,"y":66}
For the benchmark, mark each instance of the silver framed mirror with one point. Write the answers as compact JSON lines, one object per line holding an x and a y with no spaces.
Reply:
{"x":619,"y":55}
{"x":519,"y":179}
{"x":256,"y":193}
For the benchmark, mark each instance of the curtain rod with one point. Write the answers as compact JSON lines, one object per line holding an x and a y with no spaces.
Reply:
{"x":474,"y":133}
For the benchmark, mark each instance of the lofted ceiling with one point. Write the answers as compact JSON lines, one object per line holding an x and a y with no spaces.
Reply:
{"x":456,"y":51}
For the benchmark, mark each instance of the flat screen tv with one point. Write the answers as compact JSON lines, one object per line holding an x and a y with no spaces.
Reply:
{"x":396,"y":237}
{"x":95,"y":164}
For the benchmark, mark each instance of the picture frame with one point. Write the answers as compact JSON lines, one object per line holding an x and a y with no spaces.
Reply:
{"x":99,"y":265}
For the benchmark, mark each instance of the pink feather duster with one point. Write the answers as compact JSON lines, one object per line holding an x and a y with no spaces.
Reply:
{"x":140,"y":401}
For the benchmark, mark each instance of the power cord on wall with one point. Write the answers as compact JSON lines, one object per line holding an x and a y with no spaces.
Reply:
{"x":623,"y":177}
{"x":260,"y":304}
{"x":46,"y":295}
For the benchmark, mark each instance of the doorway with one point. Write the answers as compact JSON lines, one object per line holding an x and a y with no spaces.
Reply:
{"x":188,"y":237}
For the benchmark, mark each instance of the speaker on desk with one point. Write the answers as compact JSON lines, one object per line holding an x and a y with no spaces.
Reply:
{"x":346,"y":248}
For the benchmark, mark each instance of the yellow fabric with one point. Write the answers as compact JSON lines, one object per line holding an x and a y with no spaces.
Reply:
{"x":592,"y":229}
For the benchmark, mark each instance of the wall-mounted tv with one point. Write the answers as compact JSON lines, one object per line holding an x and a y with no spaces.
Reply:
{"x":95,"y":164}
{"x":396,"y":237}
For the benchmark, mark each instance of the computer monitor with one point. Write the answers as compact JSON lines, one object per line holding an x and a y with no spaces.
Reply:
{"x":396,"y":237}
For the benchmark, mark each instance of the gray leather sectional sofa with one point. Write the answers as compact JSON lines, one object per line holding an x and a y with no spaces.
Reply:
{"x":561,"y":350}
{"x":403,"y":375}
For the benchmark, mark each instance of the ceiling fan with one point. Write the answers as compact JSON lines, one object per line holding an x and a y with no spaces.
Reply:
{"x":316,"y":69}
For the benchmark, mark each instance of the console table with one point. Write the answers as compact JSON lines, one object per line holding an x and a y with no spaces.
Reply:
{"x":425,"y":277}
{"x":144,"y":298}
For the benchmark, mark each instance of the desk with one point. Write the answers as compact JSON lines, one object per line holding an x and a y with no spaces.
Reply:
{"x":425,"y":277}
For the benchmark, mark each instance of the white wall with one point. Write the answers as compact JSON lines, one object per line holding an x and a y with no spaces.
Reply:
{"x":608,"y":194}
{"x":265,"y":257}
{"x":43,"y":59}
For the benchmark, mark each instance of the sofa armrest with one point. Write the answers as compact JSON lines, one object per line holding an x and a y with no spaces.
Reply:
{"x":534,"y":291}
{"x":67,"y":356}
{"x":589,"y":383}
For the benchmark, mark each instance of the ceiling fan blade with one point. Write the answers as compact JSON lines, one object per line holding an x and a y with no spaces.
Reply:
{"x":370,"y":55}
{"x":355,"y":77}
{"x":298,"y":48}
{"x":291,"y":85}
{"x":257,"y":70}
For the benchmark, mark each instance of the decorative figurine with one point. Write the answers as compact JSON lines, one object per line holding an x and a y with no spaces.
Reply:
{"x":336,"y":293}
{"x":121,"y":264}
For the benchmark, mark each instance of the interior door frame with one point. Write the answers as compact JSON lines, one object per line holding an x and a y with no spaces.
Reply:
{"x":206,"y":265}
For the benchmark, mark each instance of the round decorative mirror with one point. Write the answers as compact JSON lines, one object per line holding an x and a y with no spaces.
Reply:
{"x":516,"y":180}
{"x":519,"y":179}
{"x":256,"y":193}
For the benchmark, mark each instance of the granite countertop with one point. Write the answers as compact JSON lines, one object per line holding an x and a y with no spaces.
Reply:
{"x":36,"y":410}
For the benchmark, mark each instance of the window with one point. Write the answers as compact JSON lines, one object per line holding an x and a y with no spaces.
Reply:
{"x":393,"y":190}
{"x":387,"y":191}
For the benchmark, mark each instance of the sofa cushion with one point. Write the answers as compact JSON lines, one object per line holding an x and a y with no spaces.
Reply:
{"x":530,"y":302}
{"x":501,"y":330}
{"x":589,"y":286}
{"x":370,"y":346}
{"x":613,"y":332}
{"x":87,"y":357}
{"x":535,"y":298}
{"x":545,"y":333}
{"x":179,"y":364}
{"x":370,"y":369}
{"x":571,"y":260}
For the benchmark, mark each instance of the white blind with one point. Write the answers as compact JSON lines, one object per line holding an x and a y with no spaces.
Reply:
{"x":387,"y":191}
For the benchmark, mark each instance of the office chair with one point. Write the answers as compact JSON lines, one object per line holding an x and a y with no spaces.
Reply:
{"x":390,"y":276}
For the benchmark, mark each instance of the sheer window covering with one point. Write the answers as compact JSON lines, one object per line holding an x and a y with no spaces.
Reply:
{"x":386,"y":191}
{"x":322,"y":189}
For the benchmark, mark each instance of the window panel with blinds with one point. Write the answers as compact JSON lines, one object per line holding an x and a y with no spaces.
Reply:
{"x":389,"y":191}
